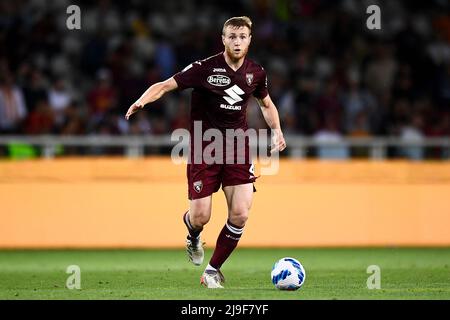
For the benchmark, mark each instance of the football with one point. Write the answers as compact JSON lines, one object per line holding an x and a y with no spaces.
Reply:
{"x":288,"y":274}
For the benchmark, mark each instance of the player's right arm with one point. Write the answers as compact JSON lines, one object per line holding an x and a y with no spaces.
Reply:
{"x":153,"y":93}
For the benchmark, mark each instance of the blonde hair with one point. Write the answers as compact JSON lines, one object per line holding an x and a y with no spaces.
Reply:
{"x":242,"y":21}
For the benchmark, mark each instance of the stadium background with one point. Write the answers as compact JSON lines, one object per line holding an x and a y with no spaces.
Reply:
{"x":328,"y":73}
{"x":330,"y":77}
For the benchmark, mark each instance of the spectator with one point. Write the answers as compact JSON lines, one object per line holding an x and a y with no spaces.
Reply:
{"x":41,"y":120}
{"x":381,"y":70}
{"x":74,"y":122}
{"x":358,"y":103}
{"x":12,"y":105}
{"x":141,"y":125}
{"x":35,"y":90}
{"x":102,"y":98}
{"x":411,"y":132}
{"x":329,"y":134}
{"x":59,"y":98}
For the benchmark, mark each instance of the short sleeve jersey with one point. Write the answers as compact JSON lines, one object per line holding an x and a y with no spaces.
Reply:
{"x":221,"y":95}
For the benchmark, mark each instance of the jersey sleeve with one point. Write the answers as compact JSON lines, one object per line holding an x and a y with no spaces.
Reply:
{"x":261,"y":90}
{"x":189,"y":77}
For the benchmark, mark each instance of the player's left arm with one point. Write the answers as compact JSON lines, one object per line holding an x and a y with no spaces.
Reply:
{"x":272,"y":118}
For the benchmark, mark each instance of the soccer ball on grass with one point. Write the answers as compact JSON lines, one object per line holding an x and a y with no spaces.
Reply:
{"x":288,"y":274}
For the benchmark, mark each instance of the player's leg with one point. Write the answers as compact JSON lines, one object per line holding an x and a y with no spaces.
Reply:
{"x":203,"y":181}
{"x":239,"y":200}
{"x":195,"y":218}
{"x":198,"y":215}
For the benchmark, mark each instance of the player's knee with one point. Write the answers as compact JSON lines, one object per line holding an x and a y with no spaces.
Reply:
{"x":199,"y":218}
{"x":199,"y":212}
{"x":239,"y":216}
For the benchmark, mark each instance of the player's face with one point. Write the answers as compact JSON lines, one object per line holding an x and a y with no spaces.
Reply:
{"x":236,"y":41}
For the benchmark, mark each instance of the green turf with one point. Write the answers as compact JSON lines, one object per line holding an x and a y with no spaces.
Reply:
{"x":166,"y":274}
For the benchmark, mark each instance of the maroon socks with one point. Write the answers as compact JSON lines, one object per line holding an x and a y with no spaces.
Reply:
{"x":226,"y":242}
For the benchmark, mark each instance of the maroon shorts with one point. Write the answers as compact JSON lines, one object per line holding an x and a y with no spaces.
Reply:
{"x":205,"y":179}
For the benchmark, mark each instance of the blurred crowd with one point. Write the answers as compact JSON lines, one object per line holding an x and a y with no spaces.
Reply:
{"x":329,"y":75}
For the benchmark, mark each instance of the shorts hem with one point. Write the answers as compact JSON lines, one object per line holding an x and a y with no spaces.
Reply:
{"x":236,"y":183}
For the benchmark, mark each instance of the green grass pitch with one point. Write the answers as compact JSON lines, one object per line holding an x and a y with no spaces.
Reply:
{"x":166,"y":274}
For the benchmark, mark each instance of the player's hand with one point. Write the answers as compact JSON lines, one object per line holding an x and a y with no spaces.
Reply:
{"x":278,"y":142}
{"x":135,"y":107}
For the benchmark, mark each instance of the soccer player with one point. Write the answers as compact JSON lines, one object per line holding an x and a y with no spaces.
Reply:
{"x":222,"y":86}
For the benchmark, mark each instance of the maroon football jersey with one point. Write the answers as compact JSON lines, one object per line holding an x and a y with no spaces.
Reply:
{"x":220,"y":96}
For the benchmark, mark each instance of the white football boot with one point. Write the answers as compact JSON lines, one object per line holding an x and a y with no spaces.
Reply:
{"x":195,"y":251}
{"x":212,"y":279}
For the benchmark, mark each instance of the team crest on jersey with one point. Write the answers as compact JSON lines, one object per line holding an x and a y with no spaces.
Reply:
{"x":198,"y":186}
{"x":249,"y":78}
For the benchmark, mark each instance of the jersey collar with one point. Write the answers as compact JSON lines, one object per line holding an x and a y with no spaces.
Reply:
{"x":239,"y":70}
